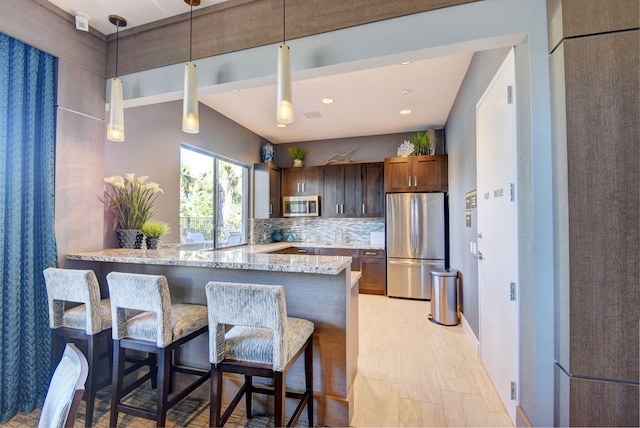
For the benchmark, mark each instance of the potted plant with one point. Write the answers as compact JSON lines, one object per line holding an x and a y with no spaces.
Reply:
{"x":425,"y":142}
{"x":153,"y":230}
{"x":132,"y":201}
{"x":298,"y":154}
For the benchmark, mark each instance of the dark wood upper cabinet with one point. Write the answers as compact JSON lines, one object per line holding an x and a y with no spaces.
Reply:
{"x":416,"y":174}
{"x":347,"y":190}
{"x":372,"y":189}
{"x":301,"y":181}
{"x":341,"y":190}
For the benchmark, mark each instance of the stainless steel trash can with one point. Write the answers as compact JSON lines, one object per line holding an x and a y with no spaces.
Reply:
{"x":444,"y":297}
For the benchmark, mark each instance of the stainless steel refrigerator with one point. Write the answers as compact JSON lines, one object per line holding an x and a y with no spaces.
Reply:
{"x":415,"y":242}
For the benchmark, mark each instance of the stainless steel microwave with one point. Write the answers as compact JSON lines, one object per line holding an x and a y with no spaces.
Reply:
{"x":300,"y":206}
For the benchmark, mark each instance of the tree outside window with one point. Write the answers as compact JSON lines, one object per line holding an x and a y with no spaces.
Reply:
{"x":213,"y":200}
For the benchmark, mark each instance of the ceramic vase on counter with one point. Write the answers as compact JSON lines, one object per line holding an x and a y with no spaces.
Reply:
{"x":130,"y":238}
{"x":277,"y":236}
{"x":153,"y":243}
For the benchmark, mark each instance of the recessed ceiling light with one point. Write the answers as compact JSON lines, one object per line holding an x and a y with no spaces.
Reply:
{"x":405,"y":91}
{"x":327,"y":101}
{"x":406,"y":62}
{"x":281,"y":125}
{"x":235,"y":90}
{"x":405,"y":111}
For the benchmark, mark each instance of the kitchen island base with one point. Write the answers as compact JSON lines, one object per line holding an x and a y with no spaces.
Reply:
{"x":328,"y":300}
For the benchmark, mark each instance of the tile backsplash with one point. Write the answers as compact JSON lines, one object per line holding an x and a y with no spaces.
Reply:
{"x":316,"y":230}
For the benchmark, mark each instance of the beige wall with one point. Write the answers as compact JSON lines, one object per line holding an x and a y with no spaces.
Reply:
{"x":372,"y":148}
{"x":153,"y":136}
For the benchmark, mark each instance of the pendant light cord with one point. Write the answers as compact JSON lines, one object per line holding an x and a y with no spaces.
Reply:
{"x":190,"y":31}
{"x":284,"y":23}
{"x":117,"y":42}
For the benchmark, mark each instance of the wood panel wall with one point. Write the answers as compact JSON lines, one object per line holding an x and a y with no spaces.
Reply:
{"x":575,"y":18}
{"x":242,"y":24}
{"x":596,"y":90}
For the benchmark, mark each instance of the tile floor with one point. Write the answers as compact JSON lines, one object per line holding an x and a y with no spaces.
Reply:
{"x":412,"y":372}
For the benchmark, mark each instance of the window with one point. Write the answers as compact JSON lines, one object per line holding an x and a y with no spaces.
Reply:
{"x":214,"y":196}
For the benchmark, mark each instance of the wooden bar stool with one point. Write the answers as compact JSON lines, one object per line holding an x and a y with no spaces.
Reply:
{"x":160,"y":329}
{"x":263,"y":342}
{"x":89,"y":322}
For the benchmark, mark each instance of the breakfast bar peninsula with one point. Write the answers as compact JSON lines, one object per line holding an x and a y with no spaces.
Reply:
{"x":321,"y":289}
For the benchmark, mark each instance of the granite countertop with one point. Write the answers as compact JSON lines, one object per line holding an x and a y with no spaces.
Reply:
{"x":251,"y":257}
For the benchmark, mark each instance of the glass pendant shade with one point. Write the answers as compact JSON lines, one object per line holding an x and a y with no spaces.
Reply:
{"x":115,"y":127}
{"x":190,"y":117}
{"x":284,"y":107}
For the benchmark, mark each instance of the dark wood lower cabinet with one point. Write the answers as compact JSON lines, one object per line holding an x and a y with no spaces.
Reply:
{"x":354,"y":254}
{"x":373,"y":266}
{"x":295,"y":250}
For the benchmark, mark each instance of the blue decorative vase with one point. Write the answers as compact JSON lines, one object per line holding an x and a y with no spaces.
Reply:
{"x":267,"y":153}
{"x":277,"y":236}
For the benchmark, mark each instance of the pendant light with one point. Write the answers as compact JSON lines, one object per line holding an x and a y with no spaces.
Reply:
{"x":190,"y":117}
{"x":115,"y":127}
{"x":284,"y":107}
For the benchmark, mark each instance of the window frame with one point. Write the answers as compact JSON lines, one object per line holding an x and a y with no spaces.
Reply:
{"x":246,"y":195}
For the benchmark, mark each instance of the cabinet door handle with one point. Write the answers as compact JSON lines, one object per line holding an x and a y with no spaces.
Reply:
{"x":370,"y":253}
{"x":303,"y":251}
{"x":363,"y":209}
{"x":409,"y":181}
{"x":341,"y":208}
{"x":337,"y":209}
{"x":415,"y":181}
{"x":303,"y":187}
{"x":298,"y":191}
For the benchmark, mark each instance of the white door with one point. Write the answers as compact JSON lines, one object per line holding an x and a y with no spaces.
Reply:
{"x":498,"y":233}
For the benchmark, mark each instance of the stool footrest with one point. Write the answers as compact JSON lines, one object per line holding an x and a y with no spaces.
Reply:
{"x":204,"y":375}
{"x":196,"y":371}
{"x":270,"y":391}
{"x":137,"y":412}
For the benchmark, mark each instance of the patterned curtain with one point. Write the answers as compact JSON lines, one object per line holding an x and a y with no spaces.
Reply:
{"x":27,"y":241}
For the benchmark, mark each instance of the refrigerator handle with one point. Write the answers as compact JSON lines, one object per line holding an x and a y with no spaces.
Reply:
{"x":414,"y":226}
